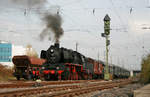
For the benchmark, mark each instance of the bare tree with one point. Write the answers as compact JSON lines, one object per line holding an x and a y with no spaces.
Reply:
{"x":30,"y":51}
{"x":145,"y":73}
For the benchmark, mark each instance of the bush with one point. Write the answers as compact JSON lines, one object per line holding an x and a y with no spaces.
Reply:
{"x":5,"y":73}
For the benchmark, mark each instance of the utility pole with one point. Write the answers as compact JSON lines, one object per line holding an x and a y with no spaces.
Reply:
{"x":98,"y":56}
{"x":104,"y":55}
{"x":106,"y":35}
{"x":76,"y":46}
{"x":112,"y":66}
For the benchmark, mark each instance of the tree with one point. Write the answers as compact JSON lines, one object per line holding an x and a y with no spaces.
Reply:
{"x":145,"y":72}
{"x":30,"y":51}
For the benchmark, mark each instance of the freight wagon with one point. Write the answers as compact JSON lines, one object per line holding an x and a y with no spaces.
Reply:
{"x":24,"y":65}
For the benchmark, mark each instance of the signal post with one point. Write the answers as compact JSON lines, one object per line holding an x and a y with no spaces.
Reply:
{"x":106,"y":35}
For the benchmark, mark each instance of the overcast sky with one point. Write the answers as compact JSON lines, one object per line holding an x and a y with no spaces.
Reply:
{"x":21,"y":23}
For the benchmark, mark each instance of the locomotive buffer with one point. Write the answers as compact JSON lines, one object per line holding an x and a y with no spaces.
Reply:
{"x":106,"y":35}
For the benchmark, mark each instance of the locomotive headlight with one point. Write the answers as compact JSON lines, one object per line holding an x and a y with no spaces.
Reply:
{"x":43,"y":67}
{"x":57,"y":68}
{"x":52,"y":50}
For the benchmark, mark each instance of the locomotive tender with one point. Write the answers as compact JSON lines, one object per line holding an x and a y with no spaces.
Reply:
{"x":66,"y":64}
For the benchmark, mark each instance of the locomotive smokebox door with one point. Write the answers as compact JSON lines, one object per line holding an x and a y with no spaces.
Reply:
{"x":43,"y":54}
{"x":53,"y":54}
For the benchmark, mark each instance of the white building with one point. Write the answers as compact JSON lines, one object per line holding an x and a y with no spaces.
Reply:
{"x":18,"y":50}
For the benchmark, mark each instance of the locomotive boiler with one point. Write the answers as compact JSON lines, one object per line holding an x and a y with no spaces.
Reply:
{"x":55,"y":54}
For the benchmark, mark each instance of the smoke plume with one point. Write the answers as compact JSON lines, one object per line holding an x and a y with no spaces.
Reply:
{"x":52,"y":19}
{"x":54,"y":23}
{"x":24,"y":6}
{"x":30,"y":3}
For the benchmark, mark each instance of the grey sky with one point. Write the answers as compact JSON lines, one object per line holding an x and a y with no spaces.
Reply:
{"x":129,"y":42}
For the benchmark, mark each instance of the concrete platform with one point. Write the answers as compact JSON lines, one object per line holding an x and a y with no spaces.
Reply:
{"x":142,"y":92}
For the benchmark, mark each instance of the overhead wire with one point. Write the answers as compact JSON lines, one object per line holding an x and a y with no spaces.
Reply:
{"x":80,"y":28}
{"x":118,"y":15}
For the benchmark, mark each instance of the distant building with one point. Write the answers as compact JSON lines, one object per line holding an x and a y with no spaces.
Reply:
{"x":135,"y":73}
{"x":8,"y":50}
{"x":131,"y":73}
{"x":5,"y":52}
{"x":18,"y":50}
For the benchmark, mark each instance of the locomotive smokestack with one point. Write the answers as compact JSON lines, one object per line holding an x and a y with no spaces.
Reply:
{"x":56,"y":44}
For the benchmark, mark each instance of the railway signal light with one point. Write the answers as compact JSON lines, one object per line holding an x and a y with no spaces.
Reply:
{"x":107,"y":25}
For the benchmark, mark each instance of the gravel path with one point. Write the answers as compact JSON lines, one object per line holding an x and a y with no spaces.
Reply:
{"x":125,"y":91}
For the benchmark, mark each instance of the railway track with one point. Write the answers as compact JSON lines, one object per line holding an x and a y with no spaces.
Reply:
{"x":87,"y":89}
{"x":64,"y":90}
{"x":22,"y":84}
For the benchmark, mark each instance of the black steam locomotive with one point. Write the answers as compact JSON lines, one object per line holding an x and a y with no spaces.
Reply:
{"x":62,"y":63}
{"x":61,"y":55}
